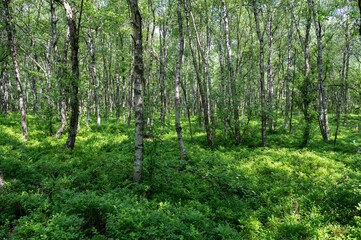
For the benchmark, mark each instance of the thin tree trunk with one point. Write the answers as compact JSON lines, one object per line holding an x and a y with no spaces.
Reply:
{"x":187,"y":110}
{"x":10,"y":28}
{"x":208,"y":79}
{"x":92,"y":35}
{"x":270,"y":75}
{"x":289,"y":55}
{"x":26,"y":84}
{"x":177,"y":84}
{"x":59,"y":69}
{"x":33,"y":86}
{"x":138,"y":76}
{"x":293,"y":92}
{"x":74,"y":82}
{"x":339,"y":103}
{"x":117,"y":82}
{"x":199,"y":81}
{"x":130,"y":94}
{"x":124,"y":91}
{"x":323,"y":115}
{"x":5,"y":86}
{"x":149,"y":105}
{"x":105,"y":83}
{"x":12,"y":106}
{"x":110,"y":77}
{"x":223,"y":88}
{"x":235,"y":100}
{"x":306,"y":85}
{"x":90,"y":98}
{"x":261,"y":79}
{"x":348,"y":48}
{"x":164,"y":44}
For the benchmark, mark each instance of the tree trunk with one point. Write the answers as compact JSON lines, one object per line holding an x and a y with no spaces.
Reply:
{"x":261,"y":79}
{"x":105,"y":83}
{"x":270,"y":75}
{"x":5,"y":92}
{"x":117,"y":83}
{"x":110,"y":77}
{"x":348,"y":48}
{"x":323,"y":115}
{"x":184,"y":88}
{"x":74,"y":82}
{"x":306,"y":85}
{"x":177,"y":84}
{"x":33,"y":85}
{"x":289,"y":55}
{"x":208,"y":79}
{"x":199,"y":81}
{"x":92,"y":35}
{"x":149,"y":105}
{"x":339,"y":105}
{"x":164,"y":44}
{"x":59,"y":70}
{"x":235,"y":100}
{"x":130,"y":94}
{"x":124,"y":92}
{"x":138,"y":75}
{"x":10,"y":28}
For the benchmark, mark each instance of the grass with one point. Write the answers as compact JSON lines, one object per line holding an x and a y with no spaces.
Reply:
{"x":225,"y":192}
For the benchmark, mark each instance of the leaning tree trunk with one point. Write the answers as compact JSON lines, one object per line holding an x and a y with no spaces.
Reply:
{"x":74,"y":82}
{"x":203,"y":95}
{"x":138,"y":75}
{"x":10,"y":28}
{"x":177,"y":84}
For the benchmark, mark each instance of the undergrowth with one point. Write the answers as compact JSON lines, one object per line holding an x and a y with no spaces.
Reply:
{"x":225,"y":192}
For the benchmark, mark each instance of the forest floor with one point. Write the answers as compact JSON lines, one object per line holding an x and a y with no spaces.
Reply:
{"x":225,"y":192}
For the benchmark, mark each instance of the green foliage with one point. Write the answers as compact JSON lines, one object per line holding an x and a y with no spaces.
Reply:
{"x":228,"y":192}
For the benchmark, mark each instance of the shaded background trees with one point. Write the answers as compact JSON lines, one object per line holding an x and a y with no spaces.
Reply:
{"x":262,"y":60}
